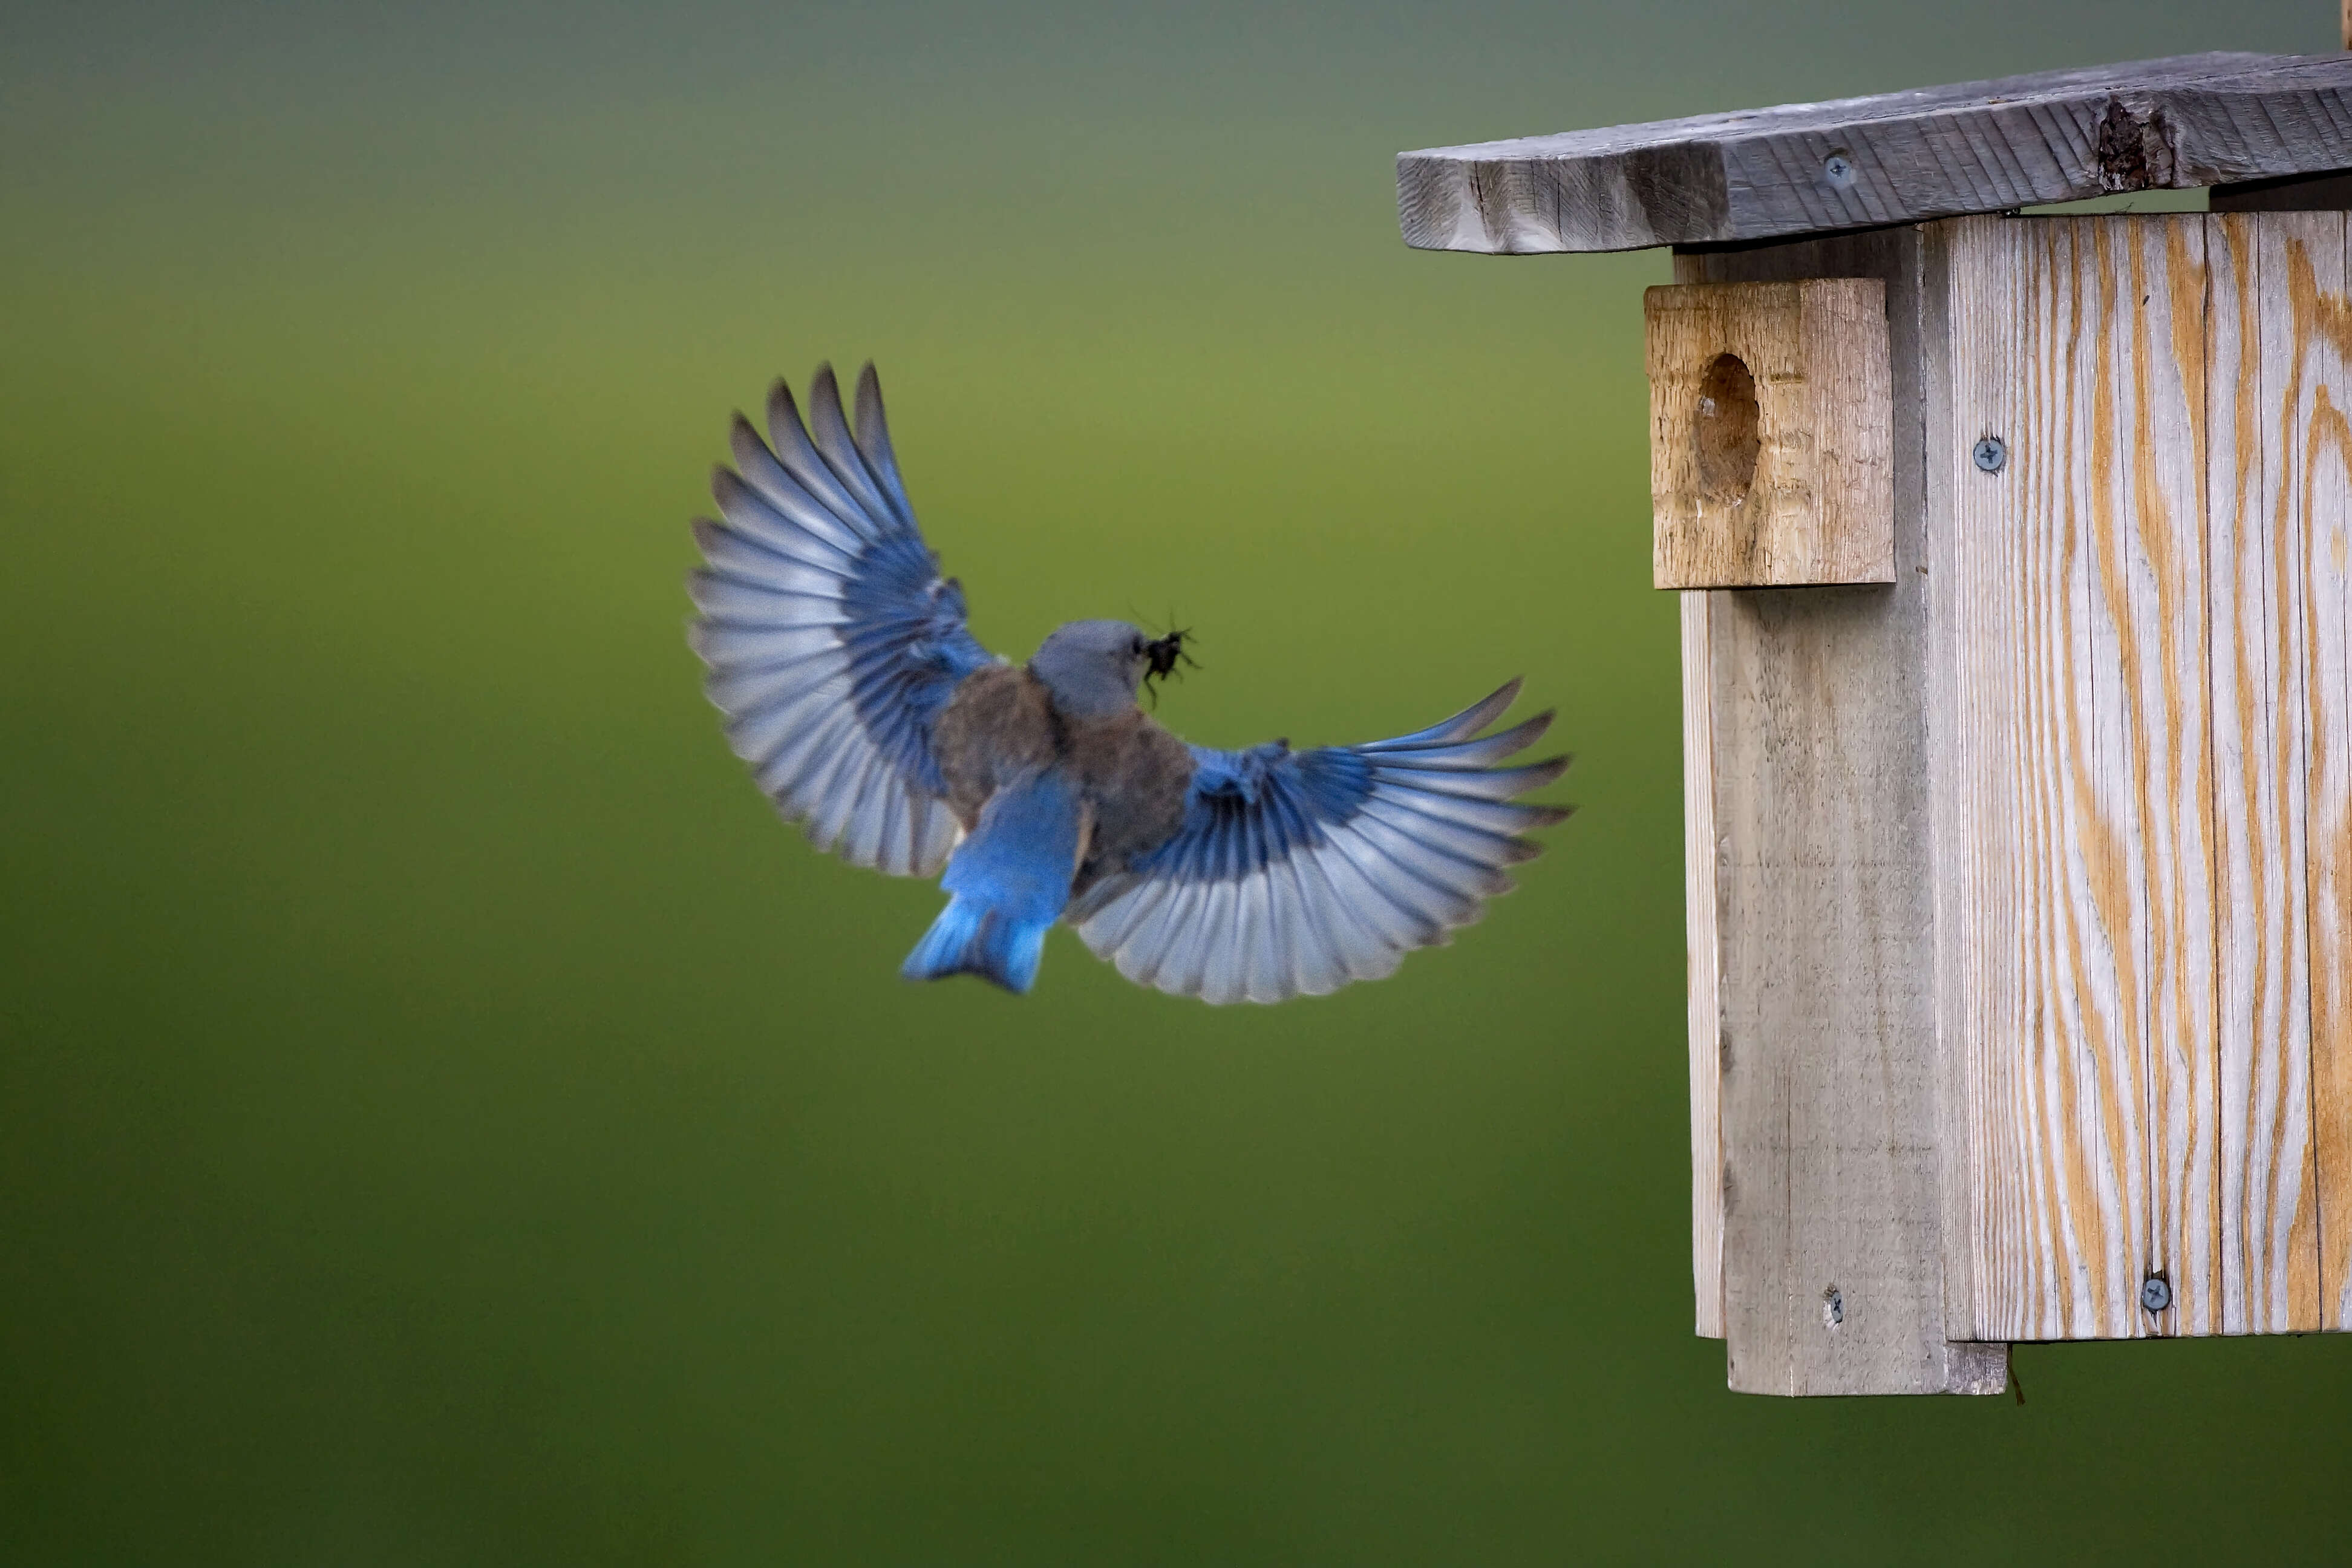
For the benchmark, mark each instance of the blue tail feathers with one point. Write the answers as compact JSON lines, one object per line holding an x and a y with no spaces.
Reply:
{"x":1009,"y":883}
{"x":970,"y":939}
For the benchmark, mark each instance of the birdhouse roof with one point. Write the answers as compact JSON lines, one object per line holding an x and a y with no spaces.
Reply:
{"x":1936,"y":152}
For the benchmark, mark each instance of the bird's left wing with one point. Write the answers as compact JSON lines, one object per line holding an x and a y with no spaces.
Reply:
{"x":1298,"y":871}
{"x":833,"y":642}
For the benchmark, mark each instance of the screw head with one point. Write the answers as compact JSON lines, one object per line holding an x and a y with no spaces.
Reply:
{"x":1839,"y":171}
{"x":1991,"y":454}
{"x":2155,"y":1295}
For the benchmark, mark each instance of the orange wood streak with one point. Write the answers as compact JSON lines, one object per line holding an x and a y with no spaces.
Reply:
{"x":2120,"y":1059}
{"x":2173,"y":768}
{"x":2097,"y":1053}
{"x":2152,"y":811}
{"x":2268,"y":1241}
{"x":2332,"y":1040}
{"x":2319,"y":329}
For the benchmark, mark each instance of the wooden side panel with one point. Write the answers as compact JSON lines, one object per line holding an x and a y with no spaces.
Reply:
{"x":2307,"y":339}
{"x":1831,"y":1252}
{"x":1706,"y":1020}
{"x":2269,"y":1230}
{"x":2080,"y":823}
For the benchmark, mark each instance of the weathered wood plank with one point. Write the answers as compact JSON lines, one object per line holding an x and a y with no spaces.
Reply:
{"x":1769,"y":419}
{"x":2308,"y":338}
{"x":2167,"y":671}
{"x":2080,"y":831}
{"x":1951,"y":616}
{"x":1977,"y":147}
{"x":2268,"y":1227}
{"x":1698,"y":914}
{"x":1832,"y":1253}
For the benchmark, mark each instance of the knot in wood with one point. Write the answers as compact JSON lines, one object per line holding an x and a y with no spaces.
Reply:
{"x":2135,"y":148}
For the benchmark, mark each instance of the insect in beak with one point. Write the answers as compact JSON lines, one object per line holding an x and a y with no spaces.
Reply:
{"x":1161,"y":655}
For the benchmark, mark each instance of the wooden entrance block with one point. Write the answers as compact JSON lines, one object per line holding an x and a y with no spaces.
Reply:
{"x":1769,"y":417}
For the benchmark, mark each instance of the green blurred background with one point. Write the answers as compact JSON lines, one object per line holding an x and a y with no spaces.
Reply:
{"x":445,"y":1119}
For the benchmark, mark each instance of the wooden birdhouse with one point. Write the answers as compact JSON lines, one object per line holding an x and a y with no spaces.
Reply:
{"x":2017,"y":671}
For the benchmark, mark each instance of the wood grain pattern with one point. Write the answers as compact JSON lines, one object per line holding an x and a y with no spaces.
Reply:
{"x":2307,"y":341}
{"x":1768,"y":433}
{"x":1832,"y":1249}
{"x":2081,"y":834}
{"x":1706,"y":1019}
{"x":1977,"y":147}
{"x":2146,"y":815}
{"x":2257,"y":547}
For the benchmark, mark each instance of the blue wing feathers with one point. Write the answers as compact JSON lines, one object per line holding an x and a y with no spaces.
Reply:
{"x":1463,"y":725}
{"x":1463,"y":756}
{"x":833,"y":643}
{"x":784,"y":495}
{"x":873,"y":437}
{"x":766,"y":527}
{"x":1297,"y":871}
{"x":830,"y":432}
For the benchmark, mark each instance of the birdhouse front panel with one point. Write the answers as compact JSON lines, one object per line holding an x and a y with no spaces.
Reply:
{"x":2144,"y":806}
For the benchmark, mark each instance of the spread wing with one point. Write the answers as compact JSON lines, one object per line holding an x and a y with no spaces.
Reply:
{"x":832,"y":639}
{"x":1300,"y":871}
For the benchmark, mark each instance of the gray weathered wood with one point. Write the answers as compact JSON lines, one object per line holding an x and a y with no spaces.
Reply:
{"x":2256,"y":462}
{"x":2300,"y":304}
{"x":2143,"y":760}
{"x":2307,"y":326}
{"x":2078,"y":842}
{"x":1705,"y":954}
{"x":1978,"y":147}
{"x":1832,"y":1253}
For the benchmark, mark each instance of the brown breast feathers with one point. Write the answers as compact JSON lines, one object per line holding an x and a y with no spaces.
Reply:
{"x":1135,"y":777}
{"x":999,"y":724}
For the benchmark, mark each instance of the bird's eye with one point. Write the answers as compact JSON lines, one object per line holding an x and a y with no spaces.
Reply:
{"x":1135,"y":647}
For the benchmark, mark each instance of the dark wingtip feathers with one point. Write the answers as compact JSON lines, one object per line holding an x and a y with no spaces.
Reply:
{"x":1524,"y":733}
{"x":824,"y":387}
{"x":744,"y":441}
{"x":783,"y":409}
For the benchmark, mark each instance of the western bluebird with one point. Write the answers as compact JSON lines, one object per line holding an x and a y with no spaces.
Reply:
{"x":866,"y":708}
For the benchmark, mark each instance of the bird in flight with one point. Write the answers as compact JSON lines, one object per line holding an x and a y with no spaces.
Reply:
{"x":852,"y":685}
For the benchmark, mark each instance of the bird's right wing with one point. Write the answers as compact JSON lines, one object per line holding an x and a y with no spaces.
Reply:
{"x":833,"y":642}
{"x":1298,"y":871}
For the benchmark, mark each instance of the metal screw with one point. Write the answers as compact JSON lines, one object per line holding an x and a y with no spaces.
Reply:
{"x":1838,"y":170}
{"x":2156,"y":1294}
{"x":1991,"y":454}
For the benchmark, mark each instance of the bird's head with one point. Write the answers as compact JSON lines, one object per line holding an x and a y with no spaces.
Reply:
{"x":1093,"y":667}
